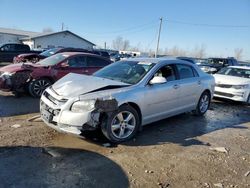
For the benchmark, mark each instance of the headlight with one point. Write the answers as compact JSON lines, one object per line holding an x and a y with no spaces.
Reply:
{"x":5,"y":74}
{"x":240,"y":86}
{"x":208,"y":69}
{"x":83,"y":106}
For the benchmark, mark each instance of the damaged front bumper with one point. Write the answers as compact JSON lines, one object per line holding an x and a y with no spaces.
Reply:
{"x":57,"y":114}
{"x":5,"y":83}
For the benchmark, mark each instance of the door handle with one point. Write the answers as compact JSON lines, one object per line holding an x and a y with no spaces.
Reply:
{"x":176,"y":86}
{"x":85,"y":71}
{"x":199,"y":82}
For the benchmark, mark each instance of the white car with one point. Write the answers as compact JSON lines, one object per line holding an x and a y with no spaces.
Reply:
{"x":126,"y":95}
{"x":233,"y":83}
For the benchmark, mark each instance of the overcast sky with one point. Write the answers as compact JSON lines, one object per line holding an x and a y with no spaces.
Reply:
{"x":220,"y":25}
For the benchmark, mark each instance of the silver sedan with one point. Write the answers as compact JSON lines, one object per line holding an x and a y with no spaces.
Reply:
{"x":126,"y":95}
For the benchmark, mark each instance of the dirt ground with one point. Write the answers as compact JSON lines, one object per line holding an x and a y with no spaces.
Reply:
{"x":181,"y":151}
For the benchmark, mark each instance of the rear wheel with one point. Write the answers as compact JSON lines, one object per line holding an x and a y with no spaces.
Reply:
{"x":36,"y":87}
{"x":248,"y":100}
{"x":203,"y":104}
{"x":122,"y":125}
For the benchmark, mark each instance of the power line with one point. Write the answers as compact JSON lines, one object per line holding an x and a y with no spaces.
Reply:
{"x":207,"y":25}
{"x":145,"y":25}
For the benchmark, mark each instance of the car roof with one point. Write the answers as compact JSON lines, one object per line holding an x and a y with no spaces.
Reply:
{"x":80,"y":53}
{"x":153,"y":60}
{"x":240,"y":67}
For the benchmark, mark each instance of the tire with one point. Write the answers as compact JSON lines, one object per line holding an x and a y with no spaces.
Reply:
{"x":203,"y":104}
{"x":117,"y":129}
{"x":248,"y":101}
{"x":36,"y":87}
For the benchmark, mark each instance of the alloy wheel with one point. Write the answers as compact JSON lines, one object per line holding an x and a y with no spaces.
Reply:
{"x":40,"y":86}
{"x":123,"y":124}
{"x":204,"y":103}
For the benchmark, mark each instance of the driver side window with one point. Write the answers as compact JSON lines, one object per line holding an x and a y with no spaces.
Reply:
{"x":167,"y":72}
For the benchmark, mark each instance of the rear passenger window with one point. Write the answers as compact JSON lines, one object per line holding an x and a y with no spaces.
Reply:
{"x":185,"y":71}
{"x":96,"y":62}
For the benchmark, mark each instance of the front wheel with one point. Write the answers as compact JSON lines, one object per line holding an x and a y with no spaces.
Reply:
{"x":248,"y":100}
{"x":121,"y":125}
{"x":203,"y":104}
{"x":36,"y":87}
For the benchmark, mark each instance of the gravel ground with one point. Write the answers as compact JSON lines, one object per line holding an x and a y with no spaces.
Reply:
{"x":182,"y":151}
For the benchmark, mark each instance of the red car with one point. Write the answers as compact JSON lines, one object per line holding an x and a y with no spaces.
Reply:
{"x":35,"y":78}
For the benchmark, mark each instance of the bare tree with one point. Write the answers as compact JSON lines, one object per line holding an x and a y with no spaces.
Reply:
{"x":175,"y":51}
{"x":199,"y":51}
{"x":117,"y":43}
{"x":47,"y":30}
{"x":125,"y":45}
{"x":238,"y":53}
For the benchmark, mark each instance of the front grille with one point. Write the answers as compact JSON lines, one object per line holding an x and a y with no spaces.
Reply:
{"x":53,"y":99}
{"x":223,"y":94}
{"x":45,"y":107}
{"x":223,"y":85}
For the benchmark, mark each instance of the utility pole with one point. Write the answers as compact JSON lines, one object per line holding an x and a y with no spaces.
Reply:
{"x":62,"y":26}
{"x":158,"y":41}
{"x":105,"y":45}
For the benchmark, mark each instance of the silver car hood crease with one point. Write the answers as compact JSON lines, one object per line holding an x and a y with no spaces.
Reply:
{"x":73,"y":85}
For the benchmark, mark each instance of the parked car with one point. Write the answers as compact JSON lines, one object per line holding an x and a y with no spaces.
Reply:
{"x":10,"y":50}
{"x":213,"y":65}
{"x":233,"y":83}
{"x":126,"y":95}
{"x":115,"y":57}
{"x":102,"y":53}
{"x":34,"y":57}
{"x":35,"y":78}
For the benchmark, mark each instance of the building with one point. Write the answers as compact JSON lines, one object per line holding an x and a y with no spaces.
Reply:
{"x":44,"y":40}
{"x":57,"y":39}
{"x":14,"y":35}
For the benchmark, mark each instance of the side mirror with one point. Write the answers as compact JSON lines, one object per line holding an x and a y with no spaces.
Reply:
{"x":158,"y":80}
{"x":64,"y":65}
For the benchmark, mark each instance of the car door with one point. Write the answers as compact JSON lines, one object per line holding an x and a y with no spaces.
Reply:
{"x":190,"y":86}
{"x":95,"y":63}
{"x":8,"y":52}
{"x":74,"y":64}
{"x":162,"y":99}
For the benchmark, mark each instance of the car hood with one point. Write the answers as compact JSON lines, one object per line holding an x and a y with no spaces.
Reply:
{"x":25,"y":55}
{"x":230,"y":80}
{"x":73,"y":85}
{"x":12,"y":68}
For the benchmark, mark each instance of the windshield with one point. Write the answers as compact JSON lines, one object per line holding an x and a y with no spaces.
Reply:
{"x":130,"y":72}
{"x":238,"y":72}
{"x":50,"y":52}
{"x":53,"y":60}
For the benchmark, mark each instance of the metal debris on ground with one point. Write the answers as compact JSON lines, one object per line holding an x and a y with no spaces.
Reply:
{"x":106,"y":145}
{"x":247,"y":173}
{"x":51,"y":152}
{"x":218,"y":185}
{"x":35,"y":118}
{"x":219,"y":149}
{"x":16,"y":126}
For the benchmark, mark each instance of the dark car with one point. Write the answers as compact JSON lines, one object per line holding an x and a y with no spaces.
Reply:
{"x":102,"y":53}
{"x":35,"y":78}
{"x":34,"y":57}
{"x":213,"y":65}
{"x":10,"y":50}
{"x":188,"y":59}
